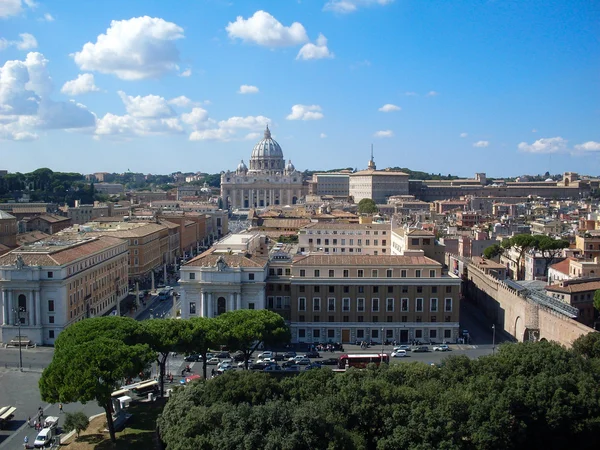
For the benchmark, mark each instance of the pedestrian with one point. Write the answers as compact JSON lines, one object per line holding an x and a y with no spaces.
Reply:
{"x":35,"y":424}
{"x":60,"y":408}
{"x":29,"y":421}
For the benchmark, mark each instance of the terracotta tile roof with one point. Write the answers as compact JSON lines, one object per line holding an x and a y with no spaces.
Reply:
{"x":58,"y":255}
{"x":574,"y":288}
{"x":143,"y":230}
{"x":348,"y":226}
{"x":31,"y":236}
{"x":486,"y":263}
{"x":4,"y":215}
{"x":207,"y":259}
{"x":30,"y":210}
{"x":365,"y":260}
{"x":52,"y":218}
{"x":4,"y":249}
{"x":286,"y":223}
{"x":563,"y":266}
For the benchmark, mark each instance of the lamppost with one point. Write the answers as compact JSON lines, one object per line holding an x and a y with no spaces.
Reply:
{"x":493,"y":338}
{"x":382,"y":345}
{"x":17,"y":313}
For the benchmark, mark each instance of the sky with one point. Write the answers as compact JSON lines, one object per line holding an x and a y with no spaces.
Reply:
{"x":503,"y":87}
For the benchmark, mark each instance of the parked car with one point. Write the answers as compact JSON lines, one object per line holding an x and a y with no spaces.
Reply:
{"x":399,"y":353}
{"x":239,"y":356}
{"x":242,"y":364}
{"x":330,"y":362}
{"x":421,"y":349}
{"x":223,"y":366}
{"x":225,"y":361}
{"x":313,"y":365}
{"x":402,"y":347}
{"x":297,"y":358}
{"x":287,"y":364}
{"x":213,"y":360}
{"x":278,"y":357}
{"x":223,"y":355}
{"x":441,"y":348}
{"x":272,"y":368}
{"x":292,"y":368}
{"x":265,"y":355}
{"x":258,"y":366}
{"x":312,"y":354}
{"x":288,"y":355}
{"x":303,"y":361}
{"x":193,"y":358}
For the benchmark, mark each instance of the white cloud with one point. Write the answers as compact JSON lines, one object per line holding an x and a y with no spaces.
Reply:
{"x":590,"y":146}
{"x":263,"y":29}
{"x":411,"y":94}
{"x":544,"y":145}
{"x":27,"y":42}
{"x":252,"y":136}
{"x":134,"y":49}
{"x":186,"y":73}
{"x":388,"y":107}
{"x":149,"y":106}
{"x":112,"y":125}
{"x":247,"y":89}
{"x":83,"y":84}
{"x":481,"y":144}
{"x":348,"y":6}
{"x":64,"y":115}
{"x":226,"y":130}
{"x":17,"y":128}
{"x":315,"y":51}
{"x":182,"y":102}
{"x":305,"y":112}
{"x":322,"y":135}
{"x":383,"y":134}
{"x":432,"y":93}
{"x":196,"y":117}
{"x":10,"y":8}
{"x":48,"y":17}
{"x":464,"y":135}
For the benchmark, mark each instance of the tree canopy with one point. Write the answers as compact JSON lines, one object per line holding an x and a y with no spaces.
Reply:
{"x":532,"y":395}
{"x":367,"y":206}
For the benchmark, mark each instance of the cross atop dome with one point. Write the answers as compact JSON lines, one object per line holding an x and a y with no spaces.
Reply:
{"x":267,"y":133}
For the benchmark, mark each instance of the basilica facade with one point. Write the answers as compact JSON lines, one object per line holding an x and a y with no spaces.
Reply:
{"x":269,"y":180}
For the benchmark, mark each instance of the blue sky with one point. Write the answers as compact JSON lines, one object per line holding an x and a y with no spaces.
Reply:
{"x":503,"y":87}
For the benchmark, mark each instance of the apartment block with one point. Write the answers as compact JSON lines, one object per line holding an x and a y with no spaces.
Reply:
{"x":345,"y":238}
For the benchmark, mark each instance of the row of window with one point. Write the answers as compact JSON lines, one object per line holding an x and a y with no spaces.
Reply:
{"x":362,"y":334}
{"x":374,"y":318}
{"x":360,"y":304}
{"x":350,"y":242}
{"x":360,"y":273}
{"x":373,"y":289}
{"x":356,"y":232}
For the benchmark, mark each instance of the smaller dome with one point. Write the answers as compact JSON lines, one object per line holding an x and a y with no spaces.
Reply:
{"x":242,"y":167}
{"x":290,"y":167}
{"x":549,"y":180}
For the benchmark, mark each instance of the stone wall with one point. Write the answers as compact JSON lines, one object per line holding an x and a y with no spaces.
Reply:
{"x":520,"y":317}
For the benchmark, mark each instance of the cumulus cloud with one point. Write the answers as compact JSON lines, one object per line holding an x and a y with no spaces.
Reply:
{"x":263,"y":29}
{"x":481,"y":144}
{"x":48,"y":17}
{"x":252,"y":136}
{"x":544,"y":145}
{"x":182,"y":102}
{"x":590,"y":146}
{"x":305,"y":112}
{"x":432,"y":93}
{"x":134,"y":49}
{"x":322,"y":135}
{"x":196,"y":117}
{"x":149,"y":106}
{"x":463,"y":135}
{"x":349,"y":6}
{"x":383,"y":134}
{"x":247,"y":89}
{"x":25,"y":103}
{"x":315,"y":51}
{"x":83,"y":84}
{"x":388,"y":107}
{"x":27,"y":42}
{"x":226,"y":130}
{"x":10,"y":8}
{"x":186,"y":73}
{"x":113,"y":126}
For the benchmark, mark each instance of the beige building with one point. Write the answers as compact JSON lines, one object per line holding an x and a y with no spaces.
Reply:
{"x":8,"y":229}
{"x":334,"y":184}
{"x":416,"y":242}
{"x":345,"y":238}
{"x":52,"y":283}
{"x":268,"y":181}
{"x":377,"y":185}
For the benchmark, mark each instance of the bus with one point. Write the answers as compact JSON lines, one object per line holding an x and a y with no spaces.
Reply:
{"x":360,"y":361}
{"x":164,"y":294}
{"x":146,"y":387}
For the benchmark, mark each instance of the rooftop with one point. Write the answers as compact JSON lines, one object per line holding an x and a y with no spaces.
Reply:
{"x":365,"y":260}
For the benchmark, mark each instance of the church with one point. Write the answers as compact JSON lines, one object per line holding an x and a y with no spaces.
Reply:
{"x":269,"y":180}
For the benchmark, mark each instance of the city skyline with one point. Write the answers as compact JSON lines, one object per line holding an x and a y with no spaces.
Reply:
{"x":507,"y":89}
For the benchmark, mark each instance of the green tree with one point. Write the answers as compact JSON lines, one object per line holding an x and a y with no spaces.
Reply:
{"x":550,"y":248}
{"x":588,"y":345}
{"x":367,"y":206}
{"x":91,"y":362}
{"x":77,"y":421}
{"x":246,"y":329}
{"x":204,"y":334}
{"x":521,"y":243}
{"x":492,"y":251}
{"x":164,"y":336}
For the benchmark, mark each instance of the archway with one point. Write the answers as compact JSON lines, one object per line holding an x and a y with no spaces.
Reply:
{"x":519,"y":329}
{"x":221,"y":305}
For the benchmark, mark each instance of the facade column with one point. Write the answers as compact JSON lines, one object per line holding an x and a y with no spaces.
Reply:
{"x":11,"y":307}
{"x":210,"y":305}
{"x":235,"y":301}
{"x":31,"y":309}
{"x":230,"y":303}
{"x":4,"y":299}
{"x":38,"y":307}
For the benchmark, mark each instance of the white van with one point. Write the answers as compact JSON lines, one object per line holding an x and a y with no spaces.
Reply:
{"x":44,"y":438}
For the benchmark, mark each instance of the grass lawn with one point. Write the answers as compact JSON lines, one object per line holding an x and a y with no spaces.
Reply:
{"x":138,"y":433}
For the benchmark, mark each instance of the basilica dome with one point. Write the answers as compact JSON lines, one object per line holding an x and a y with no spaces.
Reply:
{"x":267,"y":155}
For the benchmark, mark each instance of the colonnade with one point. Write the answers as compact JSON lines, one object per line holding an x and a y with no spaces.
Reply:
{"x":270,"y":197}
{"x":9,"y":299}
